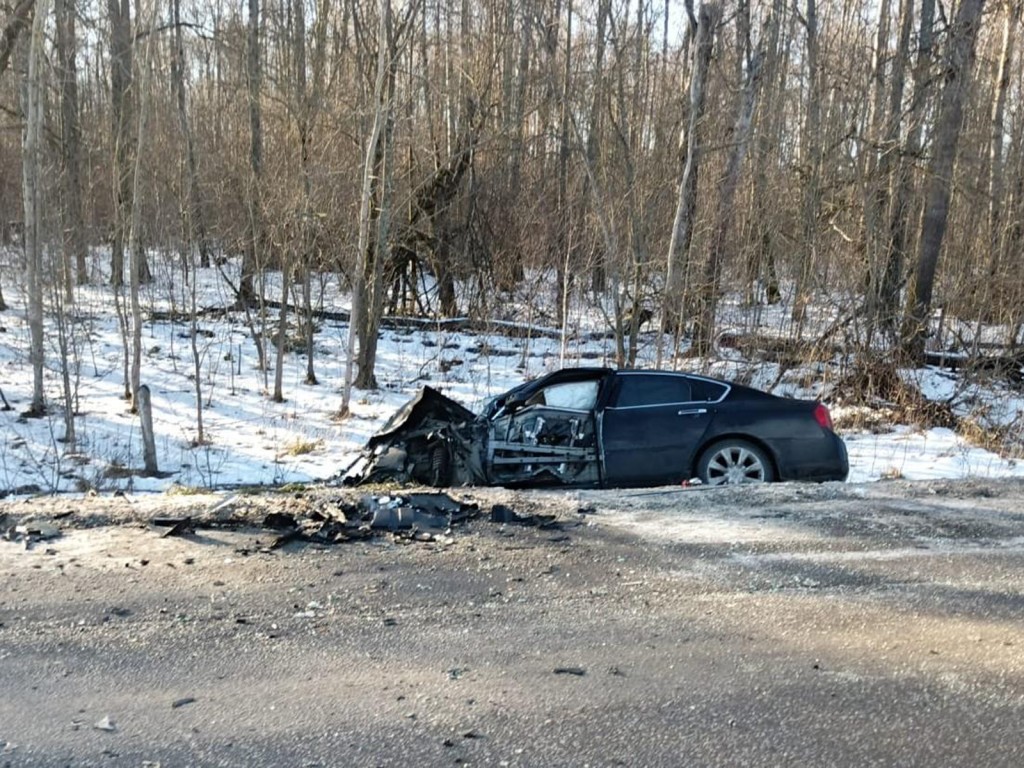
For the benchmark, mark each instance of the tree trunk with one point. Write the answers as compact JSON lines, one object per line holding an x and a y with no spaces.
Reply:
{"x":997,"y":173}
{"x":17,"y":22}
{"x":562,"y":254}
{"x":194,"y":220}
{"x":884,"y":277}
{"x":32,"y":169}
{"x":135,"y":252}
{"x":686,"y":205}
{"x":73,"y":226}
{"x":704,"y":326}
{"x":310,"y":98}
{"x":761,"y":266}
{"x":378,"y":248}
{"x":282,"y":334}
{"x":598,"y":270}
{"x":367,"y":266}
{"x":901,"y":205}
{"x":949,"y":121}
{"x":119,"y":12}
{"x":145,"y":408}
{"x":251,"y":255}
{"x":810,"y":144}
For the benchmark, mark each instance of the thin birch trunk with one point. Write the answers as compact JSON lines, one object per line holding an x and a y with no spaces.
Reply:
{"x":135,"y":231}
{"x":810,"y":143}
{"x":32,"y":170}
{"x":997,"y":172}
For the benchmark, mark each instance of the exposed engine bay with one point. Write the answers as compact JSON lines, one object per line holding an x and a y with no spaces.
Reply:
{"x":435,"y":441}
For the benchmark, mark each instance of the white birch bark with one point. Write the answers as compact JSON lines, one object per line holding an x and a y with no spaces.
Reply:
{"x":32,"y":196}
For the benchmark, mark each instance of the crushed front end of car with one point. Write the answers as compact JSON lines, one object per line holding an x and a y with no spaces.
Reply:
{"x":431,"y":440}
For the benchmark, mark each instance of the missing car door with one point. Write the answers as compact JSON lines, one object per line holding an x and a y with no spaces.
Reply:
{"x":551,"y":437}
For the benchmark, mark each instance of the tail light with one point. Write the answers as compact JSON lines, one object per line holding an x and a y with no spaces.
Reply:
{"x":822,"y":416}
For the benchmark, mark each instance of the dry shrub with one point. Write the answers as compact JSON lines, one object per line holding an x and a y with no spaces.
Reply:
{"x":300,"y":446}
{"x":877,"y":385}
{"x":863,"y":418}
{"x":1000,"y":440}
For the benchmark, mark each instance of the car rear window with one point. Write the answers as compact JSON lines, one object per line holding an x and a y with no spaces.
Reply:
{"x":706,"y":391}
{"x":638,"y":389}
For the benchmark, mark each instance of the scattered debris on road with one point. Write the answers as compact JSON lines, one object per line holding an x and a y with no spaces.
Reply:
{"x":302,"y":516}
{"x":577,"y":671}
{"x":29,"y":533}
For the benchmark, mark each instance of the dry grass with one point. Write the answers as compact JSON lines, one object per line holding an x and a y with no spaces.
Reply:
{"x":876,"y":384}
{"x":301,"y":446}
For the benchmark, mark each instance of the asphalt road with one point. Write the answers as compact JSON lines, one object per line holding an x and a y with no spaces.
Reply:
{"x":784,"y":626}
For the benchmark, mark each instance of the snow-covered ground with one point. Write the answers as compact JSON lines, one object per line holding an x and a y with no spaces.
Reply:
{"x":251,"y":440}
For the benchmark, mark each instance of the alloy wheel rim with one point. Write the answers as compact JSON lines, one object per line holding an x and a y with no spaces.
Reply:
{"x":733,"y":465}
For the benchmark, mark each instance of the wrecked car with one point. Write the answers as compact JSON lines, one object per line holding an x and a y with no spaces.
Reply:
{"x":600,"y":427}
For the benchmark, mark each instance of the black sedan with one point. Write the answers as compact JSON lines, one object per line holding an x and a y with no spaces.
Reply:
{"x":600,"y":427}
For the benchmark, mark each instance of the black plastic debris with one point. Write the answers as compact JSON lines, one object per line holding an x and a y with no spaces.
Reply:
{"x":501,"y":513}
{"x":176,"y":526}
{"x":417,"y":511}
{"x":29,"y":533}
{"x":576,"y":671}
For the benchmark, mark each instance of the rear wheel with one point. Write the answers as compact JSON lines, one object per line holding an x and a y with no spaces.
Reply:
{"x":730,"y":462}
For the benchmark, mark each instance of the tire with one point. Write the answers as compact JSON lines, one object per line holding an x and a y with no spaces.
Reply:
{"x":440,"y":465}
{"x":731,"y":462}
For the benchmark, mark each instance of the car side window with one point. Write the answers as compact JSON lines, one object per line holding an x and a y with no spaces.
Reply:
{"x":706,"y":391}
{"x":637,"y":390}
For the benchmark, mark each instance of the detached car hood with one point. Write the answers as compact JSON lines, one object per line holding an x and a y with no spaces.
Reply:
{"x":426,"y":412}
{"x":431,"y":440}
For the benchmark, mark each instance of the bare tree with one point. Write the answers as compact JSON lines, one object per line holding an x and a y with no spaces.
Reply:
{"x":957,"y":77}
{"x":17,"y":22}
{"x":761,"y":266}
{"x":1011,"y":10}
{"x":885,"y":266}
{"x":73,"y":225}
{"x":901,"y":205}
{"x":594,"y":128}
{"x":135,"y":252}
{"x":254,"y":74}
{"x":119,"y":13}
{"x":32,"y":170}
{"x":704,"y":325}
{"x":810,"y":146}
{"x":374,"y":212}
{"x":686,"y":205}
{"x":193,"y":218}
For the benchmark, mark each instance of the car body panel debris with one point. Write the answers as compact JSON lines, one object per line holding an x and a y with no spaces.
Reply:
{"x":599,"y":427}
{"x":28,"y":533}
